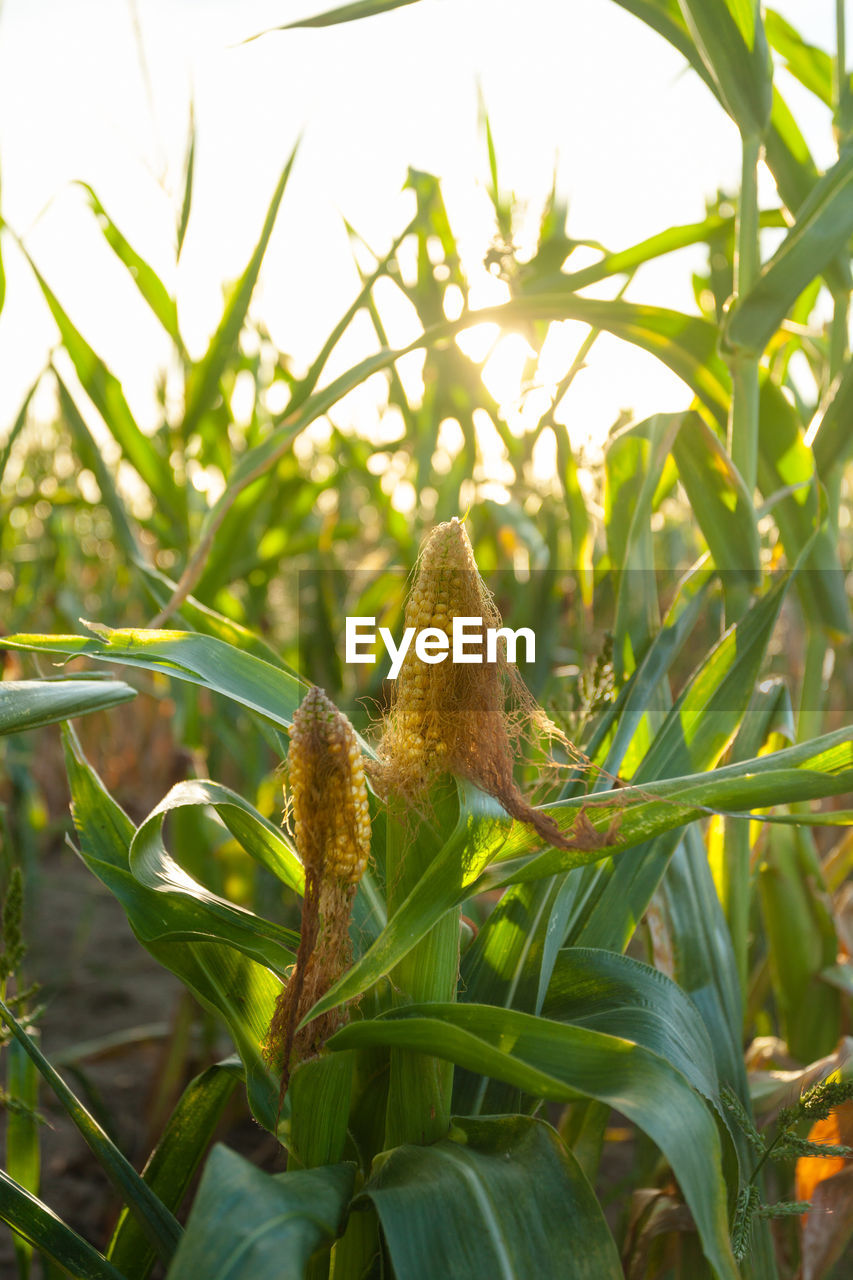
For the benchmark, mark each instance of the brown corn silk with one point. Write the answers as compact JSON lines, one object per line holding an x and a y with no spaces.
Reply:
{"x":463,"y":719}
{"x":331,"y":823}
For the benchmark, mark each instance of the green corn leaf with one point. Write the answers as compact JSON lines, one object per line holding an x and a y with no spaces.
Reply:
{"x":173,"y":1162}
{"x":666,"y":17}
{"x":23,"y":1156}
{"x":793,"y":905}
{"x":712,"y":231}
{"x":511,"y":1199}
{"x":105,"y":392}
{"x":692,"y":931}
{"x":17,"y":427}
{"x":806,"y":62}
{"x":245,"y":1222}
{"x":203,"y":381}
{"x":785,"y":461}
{"x":686,"y":344}
{"x":823,"y":227}
{"x":833,"y":439}
{"x":821,"y":767}
{"x":618,"y":995}
{"x":627,"y":746}
{"x":707,"y":713}
{"x":729,"y":35}
{"x":720,"y":502}
{"x":481,"y":855}
{"x":786,"y":151}
{"x":344,"y":13}
{"x":161,"y":1229}
{"x":199,"y":659}
{"x":258,"y":836}
{"x":30,"y":704}
{"x":38,"y":1224}
{"x":189,"y":175}
{"x":91,"y":456}
{"x":634,"y":461}
{"x":607,"y":992}
{"x":548,"y":1059}
{"x":696,"y":944}
{"x":795,"y":172}
{"x":200,"y":617}
{"x":147,"y":281}
{"x":153,"y":867}
{"x":179,"y":933}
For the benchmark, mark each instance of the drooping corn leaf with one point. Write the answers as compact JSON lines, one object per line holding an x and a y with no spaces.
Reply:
{"x":201,"y":659}
{"x":29,"y":704}
{"x":823,"y":227}
{"x":144,"y":276}
{"x":551,"y":1060}
{"x":154,"y":869}
{"x":607,"y":992}
{"x":149,"y":861}
{"x":105,"y":392}
{"x":89,"y":455}
{"x":182,"y":934}
{"x":720,"y":502}
{"x":245,"y":1222}
{"x":511,"y":1199}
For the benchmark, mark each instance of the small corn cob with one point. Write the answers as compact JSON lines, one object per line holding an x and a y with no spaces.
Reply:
{"x":331,"y":820}
{"x":328,"y":791}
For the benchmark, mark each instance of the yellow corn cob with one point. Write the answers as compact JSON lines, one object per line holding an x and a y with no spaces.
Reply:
{"x":328,"y":792}
{"x":447,"y":586}
{"x":328,"y":799}
{"x":453,"y":718}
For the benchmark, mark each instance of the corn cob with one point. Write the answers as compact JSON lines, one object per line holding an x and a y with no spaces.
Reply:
{"x":331,"y":821}
{"x":328,"y":791}
{"x":448,"y":718}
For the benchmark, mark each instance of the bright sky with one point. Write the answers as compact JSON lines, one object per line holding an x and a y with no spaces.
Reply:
{"x":639,"y":142}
